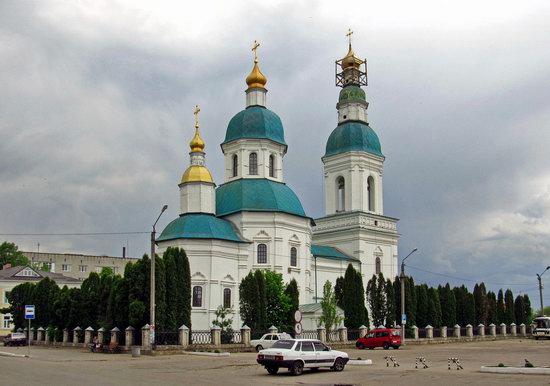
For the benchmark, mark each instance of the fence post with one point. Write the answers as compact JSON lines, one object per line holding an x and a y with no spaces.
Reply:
{"x":363,"y":331}
{"x":31,"y":331}
{"x":415,"y":332}
{"x":429,"y":332}
{"x":65,"y":336}
{"x":40,"y":335}
{"x":492,"y":329}
{"x":469,"y":331}
{"x":502,"y":329}
{"x":215,"y":332}
{"x":101,"y":336}
{"x":115,"y":335}
{"x":481,"y":329}
{"x":443,"y":332}
{"x":456,"y":332}
{"x":146,"y":337}
{"x":245,"y":335}
{"x":183,"y":336}
{"x":513,"y":329}
{"x":47,"y":335}
{"x":272,"y":330}
{"x":522,"y":329}
{"x":129,"y":341}
{"x":322,"y":334}
{"x":343,"y":334}
{"x":88,"y":335}
{"x":76,"y":339}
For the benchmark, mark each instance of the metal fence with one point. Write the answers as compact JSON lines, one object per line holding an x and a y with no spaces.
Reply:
{"x":421,"y":333}
{"x":137,"y":337}
{"x":310,"y":334}
{"x":201,"y":337}
{"x":333,"y":336}
{"x":353,"y":334}
{"x":437,"y":332}
{"x":166,"y":338}
{"x":230,"y":336}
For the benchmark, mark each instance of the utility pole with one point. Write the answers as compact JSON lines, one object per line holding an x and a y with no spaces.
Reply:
{"x":152,"y":280}
{"x":402,"y":278}
{"x":540,"y":290}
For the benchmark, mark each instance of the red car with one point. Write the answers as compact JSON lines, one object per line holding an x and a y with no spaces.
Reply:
{"x":380,"y":337}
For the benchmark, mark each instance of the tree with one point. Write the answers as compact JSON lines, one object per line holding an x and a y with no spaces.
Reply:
{"x":224,"y":323}
{"x":355,"y":312}
{"x":434,"y":308}
{"x":390,"y":304}
{"x":339,"y":291}
{"x":500,"y":308}
{"x":249,"y":302}
{"x":469,"y":308}
{"x":160,"y":294}
{"x":480,"y":295}
{"x":422,"y":305}
{"x":397,"y":299}
{"x":448,"y":306}
{"x":278,"y":304}
{"x":10,"y":254}
{"x":293,"y":294}
{"x":509,"y":313}
{"x":519,"y":309}
{"x":528,"y":311}
{"x":173,"y":301}
{"x":492,"y":308}
{"x":262,"y":300}
{"x":329,"y":311}
{"x":183,"y":286}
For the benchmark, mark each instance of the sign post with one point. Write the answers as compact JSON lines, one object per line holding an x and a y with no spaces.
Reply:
{"x":29,"y":315}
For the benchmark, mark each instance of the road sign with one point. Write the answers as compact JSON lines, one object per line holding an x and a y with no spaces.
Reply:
{"x":297,"y":316}
{"x":29,"y":312}
{"x":403,"y":319}
{"x":298,"y":328}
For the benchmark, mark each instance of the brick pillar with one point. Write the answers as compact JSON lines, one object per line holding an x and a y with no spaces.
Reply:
{"x":101,"y":336}
{"x":65,"y":336}
{"x":33,"y":336}
{"x":273,"y":330}
{"x":88,"y":335}
{"x":522,"y":329}
{"x":47,"y":335}
{"x":492,"y":329}
{"x":429,"y":332}
{"x":513,"y":329}
{"x":322,"y":334}
{"x":245,"y":335}
{"x":215,"y":332}
{"x":456,"y":333}
{"x":183,"y":336}
{"x":146,"y":337}
{"x":443,"y":332}
{"x":76,"y":331}
{"x":40,"y":335}
{"x":363,"y":331}
{"x":502,"y":329}
{"x":115,"y":332}
{"x":415,"y":332}
{"x":481,"y":330}
{"x":343,"y":334}
{"x":129,"y":332}
{"x":469,"y":331}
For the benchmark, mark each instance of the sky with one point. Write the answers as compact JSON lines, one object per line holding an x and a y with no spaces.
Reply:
{"x":97,"y":100}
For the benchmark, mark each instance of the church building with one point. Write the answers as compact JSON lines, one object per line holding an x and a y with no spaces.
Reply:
{"x":253,"y":220}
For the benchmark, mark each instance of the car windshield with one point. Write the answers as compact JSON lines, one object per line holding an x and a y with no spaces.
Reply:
{"x":543,"y":323}
{"x":286,"y":344}
{"x":396,"y":333}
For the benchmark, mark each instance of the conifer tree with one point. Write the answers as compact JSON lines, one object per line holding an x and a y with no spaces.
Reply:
{"x":373,"y":300}
{"x":249,"y":300}
{"x":184,"y":288}
{"x":422,"y":305}
{"x":397,"y":301}
{"x":469,"y":308}
{"x":390,"y":304}
{"x":501,"y":317}
{"x":410,"y":301}
{"x":434,"y":308}
{"x":480,"y":295}
{"x":509,"y":314}
{"x":491,"y":308}
{"x":160,"y":294}
{"x":339,"y":291}
{"x":448,"y":314}
{"x":528,"y":311}
{"x":173,"y":296}
{"x":519,"y":309}
{"x":262,"y":301}
{"x":293,"y":295}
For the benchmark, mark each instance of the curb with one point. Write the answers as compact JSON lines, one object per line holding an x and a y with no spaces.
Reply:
{"x":360,"y":362}
{"x":9,"y":354}
{"x":209,"y":354}
{"x":516,"y":370}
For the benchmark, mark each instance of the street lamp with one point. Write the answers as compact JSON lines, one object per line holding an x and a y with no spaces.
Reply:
{"x":540,"y":290}
{"x":152,"y":280}
{"x":402,"y":279}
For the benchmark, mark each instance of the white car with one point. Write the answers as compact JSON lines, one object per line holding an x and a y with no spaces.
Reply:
{"x":297,"y":354}
{"x":268,"y":340}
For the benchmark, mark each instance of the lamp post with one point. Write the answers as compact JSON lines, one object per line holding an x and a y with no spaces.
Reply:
{"x":402,"y":280}
{"x":152,"y":280}
{"x":540,"y":290}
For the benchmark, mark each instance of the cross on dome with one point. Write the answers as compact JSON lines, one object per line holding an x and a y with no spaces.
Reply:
{"x":197,"y":144}
{"x":255,"y":49}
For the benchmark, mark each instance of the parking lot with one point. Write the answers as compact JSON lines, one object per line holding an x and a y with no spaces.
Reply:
{"x":66,"y":366}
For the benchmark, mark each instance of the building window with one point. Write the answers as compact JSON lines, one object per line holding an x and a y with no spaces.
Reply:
{"x":340,"y":194}
{"x":272,"y":166}
{"x":378,"y":266}
{"x":253,"y":164}
{"x":6,"y":322}
{"x":226,"y":298}
{"x":370,"y":193}
{"x":98,"y":269}
{"x":66,"y":267}
{"x":82,"y":268}
{"x":235,"y":165}
{"x":293,"y":257}
{"x":197,"y":296}
{"x":262,"y":254}
{"x":115,"y":269}
{"x":6,"y":297}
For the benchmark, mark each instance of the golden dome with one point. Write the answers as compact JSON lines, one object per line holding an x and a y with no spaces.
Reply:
{"x":196,"y":173}
{"x":256,"y":78}
{"x":197,"y":144}
{"x":350,"y":60}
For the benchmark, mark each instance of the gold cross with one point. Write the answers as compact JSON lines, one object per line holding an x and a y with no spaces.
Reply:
{"x":255,"y":48}
{"x":196,"y":112}
{"x":350,"y":32}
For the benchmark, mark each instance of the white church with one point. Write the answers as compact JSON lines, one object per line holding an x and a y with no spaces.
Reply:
{"x":253,"y":220}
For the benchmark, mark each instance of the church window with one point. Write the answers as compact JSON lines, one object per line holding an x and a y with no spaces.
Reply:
{"x":226,"y":298}
{"x":271,"y":165}
{"x":378,"y":266}
{"x":370,"y":193}
{"x":235,"y":165}
{"x":340,"y":194}
{"x":197,"y":296}
{"x":293,"y":257}
{"x":253,"y":164}
{"x":262,"y":254}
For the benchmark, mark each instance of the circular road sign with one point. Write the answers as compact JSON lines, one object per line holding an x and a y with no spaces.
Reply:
{"x":297,"y":316}
{"x":298,"y":328}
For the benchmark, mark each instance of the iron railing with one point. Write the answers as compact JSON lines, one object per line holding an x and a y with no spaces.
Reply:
{"x":333,"y":336}
{"x":201,"y":337}
{"x":310,"y":334}
{"x":166,"y":338}
{"x":354,"y":334}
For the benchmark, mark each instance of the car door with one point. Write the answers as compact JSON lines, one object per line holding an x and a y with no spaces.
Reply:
{"x":323,"y":356}
{"x":308,"y":354}
{"x":268,"y":341}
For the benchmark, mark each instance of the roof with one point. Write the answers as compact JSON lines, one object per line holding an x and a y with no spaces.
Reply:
{"x":330,"y":253}
{"x":314,"y":307}
{"x":352,"y":93}
{"x":255,"y":122}
{"x":200,"y":226}
{"x":25,"y":273}
{"x":353,"y":136}
{"x":257,"y":195}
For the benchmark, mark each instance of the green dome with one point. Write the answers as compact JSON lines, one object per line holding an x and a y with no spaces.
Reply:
{"x":353,"y":136}
{"x":352,"y":94}
{"x":257,"y":195}
{"x":200,"y":226}
{"x":255,"y":122}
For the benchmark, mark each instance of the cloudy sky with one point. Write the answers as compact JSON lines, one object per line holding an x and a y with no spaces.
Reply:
{"x":96,"y":113}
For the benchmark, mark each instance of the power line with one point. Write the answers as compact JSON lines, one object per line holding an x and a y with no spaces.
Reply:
{"x":74,"y":234}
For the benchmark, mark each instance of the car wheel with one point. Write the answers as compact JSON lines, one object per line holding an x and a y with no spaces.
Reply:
{"x":297,"y":368}
{"x":272,"y":370}
{"x":396,"y":347}
{"x":259,"y":347}
{"x":386,"y":346}
{"x":360,"y":346}
{"x":339,"y":364}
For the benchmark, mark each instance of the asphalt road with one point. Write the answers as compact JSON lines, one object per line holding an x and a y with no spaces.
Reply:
{"x":66,"y":366}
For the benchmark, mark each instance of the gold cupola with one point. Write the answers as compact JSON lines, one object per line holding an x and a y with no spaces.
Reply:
{"x":256,"y":79}
{"x":351,"y":70}
{"x":197,"y":172}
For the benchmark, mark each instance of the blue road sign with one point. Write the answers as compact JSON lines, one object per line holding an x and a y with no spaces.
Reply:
{"x":29,"y":312}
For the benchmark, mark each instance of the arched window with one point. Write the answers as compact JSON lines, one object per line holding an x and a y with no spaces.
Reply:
{"x":271,"y":165}
{"x":262,"y":254}
{"x":197,"y":296}
{"x":227,"y":298}
{"x":253,"y":164}
{"x":378,"y":266}
{"x":235,"y":165}
{"x":293,"y":257}
{"x":340,"y":194}
{"x":370,"y":193}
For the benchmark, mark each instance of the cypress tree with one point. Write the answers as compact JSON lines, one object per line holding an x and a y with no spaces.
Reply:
{"x":434,"y":308}
{"x":262,"y":301}
{"x":160,"y":294}
{"x":480,"y":295}
{"x":349,"y":302}
{"x":174,"y":299}
{"x":469,"y":308}
{"x":528,"y":311}
{"x":500,"y":308}
{"x":519,"y":310}
{"x":382,"y":300}
{"x":410,"y":301}
{"x":491,"y":308}
{"x":372,"y":301}
{"x":509,"y":313}
{"x":390,"y":304}
{"x":249,"y":302}
{"x":339,"y":291}
{"x":459,"y":306}
{"x":293,"y":294}
{"x":397,"y":297}
{"x":362,"y":313}
{"x":451,"y":301}
{"x":422,"y":305}
{"x":183,"y":284}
